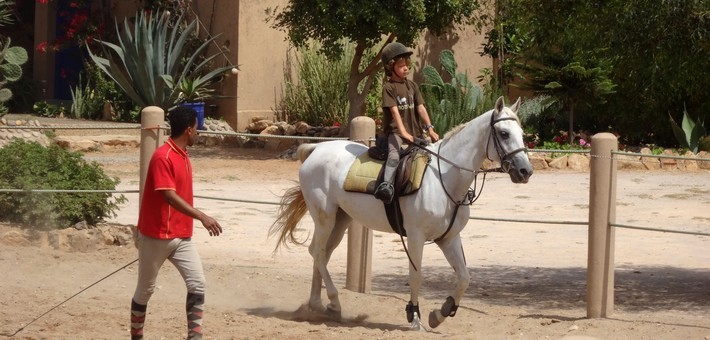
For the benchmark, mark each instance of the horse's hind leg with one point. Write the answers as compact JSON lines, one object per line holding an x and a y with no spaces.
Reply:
{"x":324,"y":242}
{"x":453,"y":251}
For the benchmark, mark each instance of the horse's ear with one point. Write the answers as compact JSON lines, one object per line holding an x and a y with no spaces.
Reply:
{"x":516,"y":106}
{"x":500,"y":105}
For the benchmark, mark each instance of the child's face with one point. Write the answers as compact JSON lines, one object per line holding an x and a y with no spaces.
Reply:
{"x":401,"y":68}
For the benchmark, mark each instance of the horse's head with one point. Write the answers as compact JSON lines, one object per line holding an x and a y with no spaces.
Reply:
{"x":506,"y":145}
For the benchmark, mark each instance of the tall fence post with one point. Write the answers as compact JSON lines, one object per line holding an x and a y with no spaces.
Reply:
{"x":151,"y":118}
{"x":359,"y":264}
{"x":602,"y":212}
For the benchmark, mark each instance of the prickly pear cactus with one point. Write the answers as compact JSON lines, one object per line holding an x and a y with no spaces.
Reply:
{"x":11,"y":60}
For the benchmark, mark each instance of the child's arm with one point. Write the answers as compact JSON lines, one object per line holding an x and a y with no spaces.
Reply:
{"x":397,"y":118}
{"x":424,"y":115}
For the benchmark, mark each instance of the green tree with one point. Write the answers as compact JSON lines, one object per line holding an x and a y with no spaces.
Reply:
{"x":653,"y":52}
{"x":365,"y":23}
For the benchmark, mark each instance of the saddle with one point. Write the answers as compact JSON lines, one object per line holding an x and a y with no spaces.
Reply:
{"x":366,"y":174}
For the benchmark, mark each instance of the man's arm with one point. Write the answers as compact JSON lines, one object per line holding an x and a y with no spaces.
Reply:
{"x":178,"y":203}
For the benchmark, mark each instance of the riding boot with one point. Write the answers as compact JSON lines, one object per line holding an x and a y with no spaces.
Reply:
{"x":194,"y":309}
{"x":385,"y":191}
{"x":137,"y":320}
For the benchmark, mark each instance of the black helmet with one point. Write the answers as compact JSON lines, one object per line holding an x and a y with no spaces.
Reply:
{"x":392,"y":51}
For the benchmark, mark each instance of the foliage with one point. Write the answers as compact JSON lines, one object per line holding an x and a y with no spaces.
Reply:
{"x":689,"y":134}
{"x":31,"y":166}
{"x":6,"y":13}
{"x":365,"y":23}
{"x":654,"y":52}
{"x":46,"y":109}
{"x":453,"y":103}
{"x":11,"y":57}
{"x":318,"y":92}
{"x":85,"y":102}
{"x":151,"y":60}
{"x":81,"y":25}
{"x":105,"y":89}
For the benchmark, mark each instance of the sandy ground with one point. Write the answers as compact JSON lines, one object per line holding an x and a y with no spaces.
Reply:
{"x":529,"y":280}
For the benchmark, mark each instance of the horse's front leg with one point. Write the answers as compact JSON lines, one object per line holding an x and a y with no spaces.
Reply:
{"x":415,"y":245}
{"x":453,"y":251}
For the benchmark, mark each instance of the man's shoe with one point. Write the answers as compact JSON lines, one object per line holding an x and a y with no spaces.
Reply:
{"x":385,"y":192}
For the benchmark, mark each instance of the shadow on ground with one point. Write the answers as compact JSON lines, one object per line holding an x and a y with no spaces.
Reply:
{"x":647,"y":288}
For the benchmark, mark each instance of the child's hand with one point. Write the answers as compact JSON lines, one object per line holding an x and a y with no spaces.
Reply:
{"x":408,"y":137}
{"x":433,"y":135}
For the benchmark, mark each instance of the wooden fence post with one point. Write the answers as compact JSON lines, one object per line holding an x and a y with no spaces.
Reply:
{"x":151,"y":118}
{"x":359,"y":263}
{"x":602,"y":212}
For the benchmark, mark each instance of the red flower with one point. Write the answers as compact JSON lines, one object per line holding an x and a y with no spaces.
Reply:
{"x":42,"y":47}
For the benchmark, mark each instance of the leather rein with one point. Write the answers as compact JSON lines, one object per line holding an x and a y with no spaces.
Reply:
{"x":470,"y":197}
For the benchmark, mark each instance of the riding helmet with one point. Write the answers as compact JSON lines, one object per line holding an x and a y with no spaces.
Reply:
{"x":391,"y":52}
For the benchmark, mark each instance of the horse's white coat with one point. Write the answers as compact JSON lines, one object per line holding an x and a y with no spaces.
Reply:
{"x":426,"y":214}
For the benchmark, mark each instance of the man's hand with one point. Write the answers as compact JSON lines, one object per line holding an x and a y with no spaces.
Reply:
{"x":211,"y":225}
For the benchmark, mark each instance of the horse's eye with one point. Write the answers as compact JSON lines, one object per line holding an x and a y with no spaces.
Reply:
{"x":504,"y":134}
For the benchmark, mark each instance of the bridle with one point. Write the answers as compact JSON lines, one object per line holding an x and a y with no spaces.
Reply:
{"x":505,"y":158}
{"x":470,"y":197}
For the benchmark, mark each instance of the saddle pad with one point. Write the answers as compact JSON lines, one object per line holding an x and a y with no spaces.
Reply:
{"x":362,"y":176}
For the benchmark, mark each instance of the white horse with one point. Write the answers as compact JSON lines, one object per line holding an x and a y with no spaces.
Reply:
{"x":438,"y":211}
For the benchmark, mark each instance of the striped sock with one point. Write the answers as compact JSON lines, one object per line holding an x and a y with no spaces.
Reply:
{"x":137,"y":320}
{"x":194,"y":308}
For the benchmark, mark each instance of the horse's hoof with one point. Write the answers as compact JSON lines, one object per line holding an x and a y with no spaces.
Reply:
{"x":416,"y":324}
{"x":435,"y":318}
{"x":334,"y":314}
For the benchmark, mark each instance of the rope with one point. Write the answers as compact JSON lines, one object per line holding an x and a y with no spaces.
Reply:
{"x":71,"y":297}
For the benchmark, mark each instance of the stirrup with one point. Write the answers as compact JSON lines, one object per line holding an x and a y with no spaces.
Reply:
{"x":385,"y":192}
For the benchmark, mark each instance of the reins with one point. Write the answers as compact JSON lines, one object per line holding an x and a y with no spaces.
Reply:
{"x":471,"y":196}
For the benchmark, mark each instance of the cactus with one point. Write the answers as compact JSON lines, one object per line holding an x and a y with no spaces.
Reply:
{"x":11,"y":60}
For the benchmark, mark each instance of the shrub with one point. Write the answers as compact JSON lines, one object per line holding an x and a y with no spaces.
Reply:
{"x":318,"y":93}
{"x":28,"y":166}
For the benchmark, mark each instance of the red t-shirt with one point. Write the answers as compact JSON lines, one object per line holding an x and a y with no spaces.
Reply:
{"x":169,"y":169}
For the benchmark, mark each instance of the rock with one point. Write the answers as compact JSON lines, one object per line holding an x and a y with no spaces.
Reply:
{"x":669,"y":163}
{"x":629,"y":162}
{"x":705,"y":165}
{"x":688,"y":164}
{"x":257,"y":127}
{"x":559,"y":163}
{"x":578,"y":162}
{"x":301,"y":128}
{"x":651,"y":163}
{"x":538,"y":161}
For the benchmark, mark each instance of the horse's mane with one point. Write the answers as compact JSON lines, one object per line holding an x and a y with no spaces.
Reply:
{"x":461,"y":126}
{"x":456,"y":129}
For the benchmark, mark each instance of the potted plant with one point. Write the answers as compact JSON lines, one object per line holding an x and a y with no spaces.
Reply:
{"x":193,"y":93}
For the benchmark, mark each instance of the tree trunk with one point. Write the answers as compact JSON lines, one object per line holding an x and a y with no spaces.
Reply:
{"x":570,"y":133}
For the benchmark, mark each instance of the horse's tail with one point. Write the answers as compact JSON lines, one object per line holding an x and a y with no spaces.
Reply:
{"x":304,"y":150}
{"x":292,"y":209}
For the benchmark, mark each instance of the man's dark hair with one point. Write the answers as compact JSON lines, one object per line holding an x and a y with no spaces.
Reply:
{"x":180,"y":119}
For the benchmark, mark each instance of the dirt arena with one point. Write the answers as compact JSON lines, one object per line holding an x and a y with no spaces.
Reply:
{"x":528,"y":280}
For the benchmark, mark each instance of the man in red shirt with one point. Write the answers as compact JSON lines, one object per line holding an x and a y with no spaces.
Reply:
{"x":165,"y":224}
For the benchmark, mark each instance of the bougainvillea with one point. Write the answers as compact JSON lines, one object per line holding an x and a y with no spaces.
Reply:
{"x":81,"y":25}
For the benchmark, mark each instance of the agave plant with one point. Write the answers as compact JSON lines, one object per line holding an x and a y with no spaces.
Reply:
{"x":152,"y":59}
{"x":689,"y":134}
